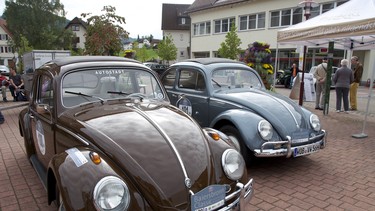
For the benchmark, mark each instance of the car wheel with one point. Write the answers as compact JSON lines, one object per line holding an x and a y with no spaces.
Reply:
{"x":238,"y":142}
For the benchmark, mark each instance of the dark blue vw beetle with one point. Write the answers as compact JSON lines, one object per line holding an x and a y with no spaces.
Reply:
{"x":230,"y":96}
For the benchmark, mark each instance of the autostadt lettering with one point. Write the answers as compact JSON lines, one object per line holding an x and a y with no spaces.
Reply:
{"x":109,"y":72}
{"x":207,"y":199}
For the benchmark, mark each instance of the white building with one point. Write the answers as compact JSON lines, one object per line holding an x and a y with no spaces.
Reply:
{"x":258,"y":20}
{"x":176,"y":22}
{"x":78,"y":28}
{"x":7,"y":56}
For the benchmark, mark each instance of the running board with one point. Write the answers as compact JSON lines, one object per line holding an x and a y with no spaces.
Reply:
{"x":39,"y":170}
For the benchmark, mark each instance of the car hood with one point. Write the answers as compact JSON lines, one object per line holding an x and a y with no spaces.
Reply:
{"x":137,"y":137}
{"x":285,"y":115}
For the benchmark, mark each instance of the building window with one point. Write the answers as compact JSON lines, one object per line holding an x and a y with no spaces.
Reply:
{"x":327,"y":7}
{"x":181,"y":53}
{"x":183,"y":21}
{"x":255,"y":21}
{"x":75,"y":28}
{"x":297,"y":15}
{"x":201,"y":54}
{"x":4,"y":37}
{"x":286,"y":17}
{"x":340,"y":3}
{"x":224,"y":25}
{"x":203,"y":28}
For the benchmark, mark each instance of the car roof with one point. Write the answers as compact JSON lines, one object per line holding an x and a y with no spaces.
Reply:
{"x":208,"y":61}
{"x":78,"y":59}
{"x":81,"y":60}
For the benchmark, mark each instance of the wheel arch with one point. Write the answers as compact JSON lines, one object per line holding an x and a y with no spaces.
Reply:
{"x":245,"y":121}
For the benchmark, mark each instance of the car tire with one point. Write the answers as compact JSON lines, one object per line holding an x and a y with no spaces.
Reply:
{"x":236,"y":138}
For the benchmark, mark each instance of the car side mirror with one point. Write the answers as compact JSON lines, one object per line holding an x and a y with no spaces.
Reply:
{"x":43,"y":109}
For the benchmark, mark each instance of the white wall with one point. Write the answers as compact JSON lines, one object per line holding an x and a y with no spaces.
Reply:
{"x":181,"y":39}
{"x":4,"y":43}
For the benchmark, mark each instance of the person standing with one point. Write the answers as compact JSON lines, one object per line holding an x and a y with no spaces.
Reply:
{"x":343,"y":78}
{"x":320,"y":74}
{"x":16,"y":83}
{"x":357,"y":71}
{"x":294,"y":70}
{"x":4,"y":83}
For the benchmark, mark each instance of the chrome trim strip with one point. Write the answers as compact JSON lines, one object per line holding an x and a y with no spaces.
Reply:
{"x":291,"y":113}
{"x":188,"y":94}
{"x":226,"y":102}
{"x":169,"y":141}
{"x":74,"y":135}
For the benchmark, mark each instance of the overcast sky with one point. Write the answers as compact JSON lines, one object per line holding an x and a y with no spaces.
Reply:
{"x":143,"y":17}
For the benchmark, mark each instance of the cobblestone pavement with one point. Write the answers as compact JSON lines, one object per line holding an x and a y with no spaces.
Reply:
{"x":339,"y":177}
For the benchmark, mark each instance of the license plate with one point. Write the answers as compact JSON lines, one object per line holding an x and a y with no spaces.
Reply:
{"x":210,"y":198}
{"x":306,"y":149}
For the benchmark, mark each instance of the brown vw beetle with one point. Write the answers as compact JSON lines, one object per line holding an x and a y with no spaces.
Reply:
{"x":102,"y":135}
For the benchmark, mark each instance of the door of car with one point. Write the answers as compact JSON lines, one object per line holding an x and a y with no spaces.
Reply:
{"x":41,"y":115}
{"x":187,"y":90}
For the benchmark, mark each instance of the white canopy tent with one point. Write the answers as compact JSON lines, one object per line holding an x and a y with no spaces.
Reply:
{"x":351,"y":26}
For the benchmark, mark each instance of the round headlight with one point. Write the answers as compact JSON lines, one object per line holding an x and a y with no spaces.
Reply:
{"x":265,"y":130}
{"x":315,"y":122}
{"x":111,"y":193}
{"x":233,"y":164}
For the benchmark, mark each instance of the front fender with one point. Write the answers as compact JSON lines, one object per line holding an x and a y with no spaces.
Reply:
{"x":245,"y":121}
{"x":76,"y":176}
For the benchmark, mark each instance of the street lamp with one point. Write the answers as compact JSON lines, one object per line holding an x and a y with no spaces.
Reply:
{"x":307,"y":5}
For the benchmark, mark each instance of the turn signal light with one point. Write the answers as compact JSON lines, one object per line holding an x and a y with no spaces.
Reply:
{"x":215,"y":136}
{"x":95,"y":158}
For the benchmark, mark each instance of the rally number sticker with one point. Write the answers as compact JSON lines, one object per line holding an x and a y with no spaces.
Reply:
{"x":40,"y":137}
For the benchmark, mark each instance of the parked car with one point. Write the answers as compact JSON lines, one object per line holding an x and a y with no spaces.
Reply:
{"x":313,"y":69}
{"x":230,"y":96}
{"x":102,"y":135}
{"x":158,"y":68}
{"x":4,"y":70}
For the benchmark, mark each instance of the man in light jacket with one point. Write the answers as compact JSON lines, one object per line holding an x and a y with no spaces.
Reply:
{"x":320,"y":74}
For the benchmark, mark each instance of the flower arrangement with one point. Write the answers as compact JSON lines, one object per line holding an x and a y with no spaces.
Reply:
{"x":258,"y":56}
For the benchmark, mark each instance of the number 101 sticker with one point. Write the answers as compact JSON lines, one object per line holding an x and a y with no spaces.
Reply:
{"x":185,"y":105}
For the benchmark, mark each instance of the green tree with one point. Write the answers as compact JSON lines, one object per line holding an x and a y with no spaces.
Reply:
{"x":104,"y":34}
{"x":230,"y":47}
{"x":41,"y":22}
{"x":167,"y":50}
{"x":142,"y":54}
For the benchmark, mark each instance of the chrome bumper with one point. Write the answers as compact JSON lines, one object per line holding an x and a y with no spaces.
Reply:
{"x":287,"y":152}
{"x":243,"y":194}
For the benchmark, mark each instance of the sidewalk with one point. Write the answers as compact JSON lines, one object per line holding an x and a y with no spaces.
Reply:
{"x":362,"y":101}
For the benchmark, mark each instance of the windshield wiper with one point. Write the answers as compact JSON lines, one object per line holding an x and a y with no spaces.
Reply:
{"x":119,"y":93}
{"x":216,"y":82}
{"x":85,"y":95}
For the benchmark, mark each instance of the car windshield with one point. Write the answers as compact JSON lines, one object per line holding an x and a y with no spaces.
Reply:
{"x":104,"y":84}
{"x":235,"y":78}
